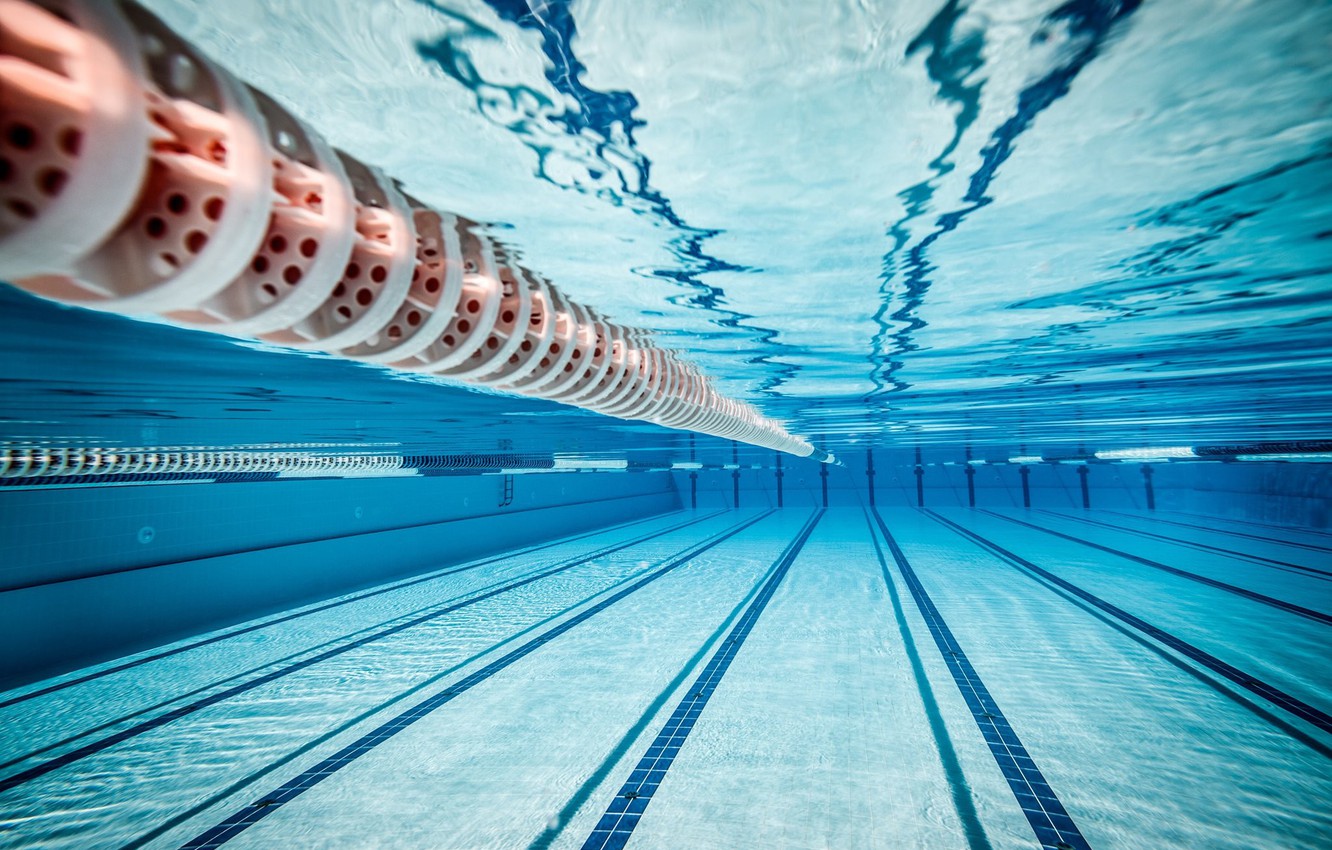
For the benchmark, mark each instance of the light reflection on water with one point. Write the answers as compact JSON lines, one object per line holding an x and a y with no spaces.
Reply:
{"x":999,"y":223}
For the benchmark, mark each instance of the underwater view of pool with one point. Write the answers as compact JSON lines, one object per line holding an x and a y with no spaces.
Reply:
{"x":596,"y":424}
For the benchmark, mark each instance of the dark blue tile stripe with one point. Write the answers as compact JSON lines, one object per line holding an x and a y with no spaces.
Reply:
{"x":1230,"y":531}
{"x":346,"y":600}
{"x":1257,"y":559}
{"x":625,"y":810}
{"x":1148,"y":562}
{"x":958,"y":787}
{"x":1273,"y":527}
{"x":1254,"y":685}
{"x":1049,"y":819}
{"x":246,"y":817}
{"x":93,"y":747}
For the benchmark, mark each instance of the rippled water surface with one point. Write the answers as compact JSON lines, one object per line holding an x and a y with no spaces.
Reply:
{"x":1001,"y":230}
{"x":1007,"y":222}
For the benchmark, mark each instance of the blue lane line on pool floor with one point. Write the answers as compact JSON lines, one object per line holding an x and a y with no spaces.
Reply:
{"x":1054,"y":828}
{"x":248,"y":816}
{"x":1299,"y":529}
{"x":1230,"y":553}
{"x":1214,"y":530}
{"x":97,"y":746}
{"x":958,"y":786}
{"x":1254,"y":685}
{"x":625,"y":811}
{"x":1300,"y":610}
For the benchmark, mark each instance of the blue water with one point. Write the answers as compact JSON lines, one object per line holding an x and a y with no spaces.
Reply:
{"x":1092,"y":224}
{"x":939,"y":232}
{"x":432,"y":712}
{"x":998,"y":223}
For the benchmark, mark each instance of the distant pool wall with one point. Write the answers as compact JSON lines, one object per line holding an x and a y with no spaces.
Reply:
{"x":92,"y":573}
{"x":1297,"y":494}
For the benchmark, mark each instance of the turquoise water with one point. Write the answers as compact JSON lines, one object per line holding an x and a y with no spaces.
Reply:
{"x":400,"y":716}
{"x":965,"y":244}
{"x":1009,"y":224}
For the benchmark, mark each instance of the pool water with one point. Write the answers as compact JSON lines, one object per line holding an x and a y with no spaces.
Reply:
{"x":1051,"y":279}
{"x":1001,"y":222}
{"x":509,"y":702}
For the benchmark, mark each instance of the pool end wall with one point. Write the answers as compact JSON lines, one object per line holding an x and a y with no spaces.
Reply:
{"x":1294,"y":494}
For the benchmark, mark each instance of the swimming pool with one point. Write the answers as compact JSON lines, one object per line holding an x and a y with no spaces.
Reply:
{"x":515,"y":700}
{"x":1046,"y":284}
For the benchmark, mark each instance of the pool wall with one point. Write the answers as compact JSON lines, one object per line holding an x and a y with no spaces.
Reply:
{"x":92,"y":573}
{"x":1272,"y":492}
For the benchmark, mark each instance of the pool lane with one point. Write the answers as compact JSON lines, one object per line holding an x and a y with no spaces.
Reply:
{"x":1049,"y":820}
{"x":1271,"y":653}
{"x":1283,"y":538}
{"x":1084,"y":539}
{"x":56,"y":714}
{"x":60,"y":683}
{"x":1319,"y":537}
{"x":493,"y":765}
{"x":1301,"y":586}
{"x":816,"y":737}
{"x":259,"y":677}
{"x":626,"y":808}
{"x":1144,"y":749}
{"x":124,"y":790}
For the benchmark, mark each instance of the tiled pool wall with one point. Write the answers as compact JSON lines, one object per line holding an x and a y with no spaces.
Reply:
{"x":92,"y":573}
{"x":1297,"y":494}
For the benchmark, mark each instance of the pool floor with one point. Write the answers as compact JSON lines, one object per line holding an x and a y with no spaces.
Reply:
{"x":796,"y":678}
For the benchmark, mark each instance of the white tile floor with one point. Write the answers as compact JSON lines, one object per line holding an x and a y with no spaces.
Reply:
{"x":816,"y":736}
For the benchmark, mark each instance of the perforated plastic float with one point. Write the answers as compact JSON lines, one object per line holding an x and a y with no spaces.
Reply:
{"x":138,"y":177}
